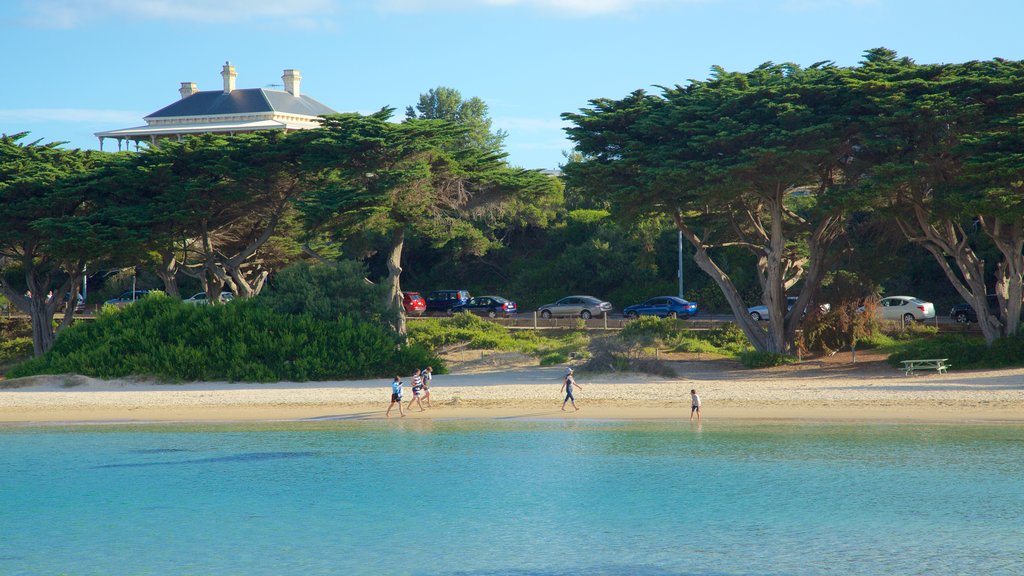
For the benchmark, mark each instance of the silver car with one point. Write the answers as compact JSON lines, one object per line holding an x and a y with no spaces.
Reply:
{"x":583,"y":306}
{"x":200,"y":298}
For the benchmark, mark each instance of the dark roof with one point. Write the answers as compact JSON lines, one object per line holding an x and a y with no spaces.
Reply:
{"x":242,"y":101}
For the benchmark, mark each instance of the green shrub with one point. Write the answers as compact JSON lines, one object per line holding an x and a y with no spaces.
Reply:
{"x":963,"y":352}
{"x":764,"y":359}
{"x":696,"y":345}
{"x":729,"y":338}
{"x":15,"y":349}
{"x":242,"y":341}
{"x":553,"y":359}
{"x":476,"y":333}
{"x":327,"y":292}
{"x":651,"y":330}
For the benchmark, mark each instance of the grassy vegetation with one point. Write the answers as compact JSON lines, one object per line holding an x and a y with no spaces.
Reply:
{"x":242,"y":341}
{"x":963,"y":351}
{"x":476,"y":333}
{"x":754,"y":359}
{"x":674,"y":335}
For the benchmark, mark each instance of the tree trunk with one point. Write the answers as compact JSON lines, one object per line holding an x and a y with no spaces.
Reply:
{"x":946,"y":239}
{"x":818,"y":245}
{"x":757,"y":335}
{"x":1009,"y":287}
{"x":394,"y":294}
{"x":168,"y":272}
{"x":774,"y":294}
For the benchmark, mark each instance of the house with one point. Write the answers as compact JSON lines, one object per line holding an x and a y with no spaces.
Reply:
{"x":231,"y":111}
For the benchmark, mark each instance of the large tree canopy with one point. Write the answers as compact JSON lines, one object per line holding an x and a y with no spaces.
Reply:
{"x":47,"y":235}
{"x":210,"y":206}
{"x":754,"y":160}
{"x":946,"y":146}
{"x":417,"y":177}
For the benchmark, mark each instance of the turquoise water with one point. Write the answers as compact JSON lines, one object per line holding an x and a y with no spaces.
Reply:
{"x":517,"y":498}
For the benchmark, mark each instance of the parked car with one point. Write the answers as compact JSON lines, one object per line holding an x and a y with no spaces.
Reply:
{"x":906,"y":308}
{"x":662,"y":307}
{"x":413,"y":303}
{"x":490,"y":306}
{"x":583,"y":306}
{"x":445,"y":300}
{"x":964,"y":313}
{"x":200,"y":298}
{"x":759,"y":313}
{"x":127,"y":298}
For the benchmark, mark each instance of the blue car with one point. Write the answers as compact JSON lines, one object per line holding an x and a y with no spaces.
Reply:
{"x":663,"y":307}
{"x":490,"y":306}
{"x":442,"y":301}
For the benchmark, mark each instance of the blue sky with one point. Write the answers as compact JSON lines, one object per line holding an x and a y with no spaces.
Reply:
{"x":75,"y":67}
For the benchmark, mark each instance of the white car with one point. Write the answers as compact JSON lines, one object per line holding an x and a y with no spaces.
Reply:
{"x":906,"y":308}
{"x":759,"y":313}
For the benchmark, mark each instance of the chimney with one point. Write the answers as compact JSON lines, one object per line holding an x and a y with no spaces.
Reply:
{"x":187,"y":89}
{"x":228,"y":73}
{"x":291,"y":82}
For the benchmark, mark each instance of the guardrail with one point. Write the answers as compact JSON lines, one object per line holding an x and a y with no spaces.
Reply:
{"x":532,"y":321}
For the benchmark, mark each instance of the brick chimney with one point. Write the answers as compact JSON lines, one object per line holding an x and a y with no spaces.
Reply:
{"x":187,"y":89}
{"x":291,"y":82}
{"x":229,"y":75}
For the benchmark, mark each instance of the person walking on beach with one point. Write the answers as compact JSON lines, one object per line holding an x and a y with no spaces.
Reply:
{"x":428,"y":375}
{"x":568,"y":385}
{"x":694,"y":404}
{"x":396,"y":397}
{"x":417,"y":390}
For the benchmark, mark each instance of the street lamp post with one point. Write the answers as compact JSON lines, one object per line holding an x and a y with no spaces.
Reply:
{"x":680,"y":263}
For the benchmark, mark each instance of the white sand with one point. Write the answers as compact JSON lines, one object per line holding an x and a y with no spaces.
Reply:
{"x":824,"y":393}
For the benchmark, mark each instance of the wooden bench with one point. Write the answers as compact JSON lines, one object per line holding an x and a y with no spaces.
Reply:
{"x":938,"y":364}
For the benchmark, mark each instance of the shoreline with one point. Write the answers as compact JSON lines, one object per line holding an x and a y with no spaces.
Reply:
{"x":532,"y":393}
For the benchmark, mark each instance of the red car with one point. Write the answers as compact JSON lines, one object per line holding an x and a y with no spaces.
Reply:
{"x":413,"y":303}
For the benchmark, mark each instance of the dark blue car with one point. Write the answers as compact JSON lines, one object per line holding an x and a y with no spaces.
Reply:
{"x":445,"y":300}
{"x":663,"y":307}
{"x":490,"y":306}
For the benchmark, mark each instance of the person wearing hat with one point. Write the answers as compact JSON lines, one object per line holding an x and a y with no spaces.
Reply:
{"x":568,"y":385}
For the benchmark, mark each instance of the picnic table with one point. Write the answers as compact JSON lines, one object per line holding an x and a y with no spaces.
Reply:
{"x":938,"y":364}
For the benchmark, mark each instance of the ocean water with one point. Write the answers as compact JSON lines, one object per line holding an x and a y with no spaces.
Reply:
{"x":512,"y":497}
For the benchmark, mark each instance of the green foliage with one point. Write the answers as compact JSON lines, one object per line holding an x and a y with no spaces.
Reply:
{"x":654,"y":331}
{"x":729,"y":338}
{"x":476,"y":333}
{"x":15,"y":349}
{"x":963,"y":351}
{"x":327,"y":292}
{"x":447,"y":104}
{"x":554,"y":359}
{"x":242,"y":341}
{"x":754,"y":359}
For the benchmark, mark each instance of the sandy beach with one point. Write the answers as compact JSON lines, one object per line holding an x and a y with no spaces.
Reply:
{"x":869,"y":391}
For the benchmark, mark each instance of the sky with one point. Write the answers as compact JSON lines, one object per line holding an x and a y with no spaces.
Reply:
{"x":76,"y":67}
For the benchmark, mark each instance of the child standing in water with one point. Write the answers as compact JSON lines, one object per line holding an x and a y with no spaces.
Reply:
{"x":694,"y":405}
{"x":567,"y":385}
{"x":396,"y":397}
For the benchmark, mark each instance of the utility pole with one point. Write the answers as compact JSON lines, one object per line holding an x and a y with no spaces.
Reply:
{"x":681,"y":264}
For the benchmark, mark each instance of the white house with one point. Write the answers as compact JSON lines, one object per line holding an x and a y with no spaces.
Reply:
{"x":231,"y":110}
